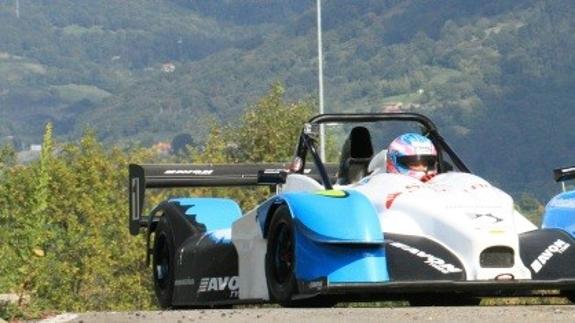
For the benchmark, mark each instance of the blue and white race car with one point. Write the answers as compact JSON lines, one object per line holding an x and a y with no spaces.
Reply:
{"x":347,"y":231}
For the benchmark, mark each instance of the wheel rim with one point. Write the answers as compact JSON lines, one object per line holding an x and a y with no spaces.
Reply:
{"x":283,"y":254}
{"x":163,"y":263}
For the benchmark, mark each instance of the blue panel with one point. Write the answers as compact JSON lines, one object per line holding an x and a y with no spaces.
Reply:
{"x":338,"y":236}
{"x":330,"y":219}
{"x":560,"y":213}
{"x":340,"y":263}
{"x":214,"y":213}
{"x":221,"y":236}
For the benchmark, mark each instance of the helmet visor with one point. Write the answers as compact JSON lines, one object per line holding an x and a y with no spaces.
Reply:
{"x":410,"y":162}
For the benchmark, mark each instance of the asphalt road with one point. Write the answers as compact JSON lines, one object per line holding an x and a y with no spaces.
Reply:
{"x":524,"y":313}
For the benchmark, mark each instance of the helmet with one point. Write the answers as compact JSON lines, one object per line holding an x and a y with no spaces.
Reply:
{"x":412,"y":154}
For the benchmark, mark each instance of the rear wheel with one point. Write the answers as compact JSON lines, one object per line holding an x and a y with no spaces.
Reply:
{"x":163,"y":264}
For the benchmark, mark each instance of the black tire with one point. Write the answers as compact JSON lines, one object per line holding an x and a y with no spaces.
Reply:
{"x":280,"y":261}
{"x":280,"y":258}
{"x":443,"y":300}
{"x":163,"y":264}
{"x":570,"y":295}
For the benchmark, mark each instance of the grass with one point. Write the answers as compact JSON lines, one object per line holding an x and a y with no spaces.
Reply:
{"x":15,"y":70}
{"x":77,"y":92}
{"x":403,"y":98}
{"x":79,"y":30}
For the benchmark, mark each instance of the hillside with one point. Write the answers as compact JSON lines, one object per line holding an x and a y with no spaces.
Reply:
{"x":495,"y":75}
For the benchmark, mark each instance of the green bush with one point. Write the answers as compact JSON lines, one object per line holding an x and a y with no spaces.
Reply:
{"x":66,"y":244}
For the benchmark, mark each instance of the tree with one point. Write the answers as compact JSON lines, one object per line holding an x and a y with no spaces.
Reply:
{"x":181,"y":143}
{"x":7,"y":157}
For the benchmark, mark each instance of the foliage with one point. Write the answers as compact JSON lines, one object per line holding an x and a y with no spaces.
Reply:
{"x":530,"y":207}
{"x":266,"y":133}
{"x":68,"y":247}
{"x":7,"y":157}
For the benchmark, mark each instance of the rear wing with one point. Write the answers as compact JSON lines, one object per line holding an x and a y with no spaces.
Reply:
{"x":563,"y":174}
{"x":142,"y":177}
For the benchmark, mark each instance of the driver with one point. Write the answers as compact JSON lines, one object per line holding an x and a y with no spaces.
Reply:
{"x":414,"y":155}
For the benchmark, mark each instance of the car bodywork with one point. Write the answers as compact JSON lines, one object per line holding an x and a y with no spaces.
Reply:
{"x":560,"y":210}
{"x":315,"y":242}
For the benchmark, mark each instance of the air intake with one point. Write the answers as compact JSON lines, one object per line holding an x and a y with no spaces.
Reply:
{"x":496,"y":257}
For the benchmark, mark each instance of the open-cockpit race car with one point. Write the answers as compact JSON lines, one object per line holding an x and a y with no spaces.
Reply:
{"x":346,"y":231}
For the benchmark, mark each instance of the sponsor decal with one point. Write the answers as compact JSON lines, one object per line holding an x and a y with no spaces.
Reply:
{"x":429,"y":259}
{"x":557,"y":247}
{"x":315,"y":285}
{"x":492,"y":218}
{"x":565,"y":203}
{"x":218,"y":284}
{"x":477,"y":186}
{"x":497,"y":231}
{"x":390,"y":198}
{"x":275,"y":170}
{"x":188,"y":172}
{"x":184,"y":282}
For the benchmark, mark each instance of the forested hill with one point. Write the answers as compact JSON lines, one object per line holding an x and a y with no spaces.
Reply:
{"x":496,"y":75}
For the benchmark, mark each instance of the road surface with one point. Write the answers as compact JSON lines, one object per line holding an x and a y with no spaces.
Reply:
{"x":522,"y":313}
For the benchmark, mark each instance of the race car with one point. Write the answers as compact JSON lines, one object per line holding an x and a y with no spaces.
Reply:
{"x":345,"y":231}
{"x":560,"y":210}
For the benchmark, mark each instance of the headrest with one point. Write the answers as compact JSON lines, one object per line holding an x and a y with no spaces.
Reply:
{"x":360,"y":141}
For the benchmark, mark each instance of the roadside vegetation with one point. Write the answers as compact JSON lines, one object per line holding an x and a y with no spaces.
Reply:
{"x":65,"y":240}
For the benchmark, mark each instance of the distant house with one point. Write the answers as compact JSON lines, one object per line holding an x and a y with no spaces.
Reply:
{"x":400,"y":107}
{"x":392,"y":107}
{"x":30,"y":155}
{"x":168,"y":67}
{"x":162,"y":148}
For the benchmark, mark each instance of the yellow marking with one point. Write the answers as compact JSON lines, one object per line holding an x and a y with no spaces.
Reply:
{"x":332,"y":193}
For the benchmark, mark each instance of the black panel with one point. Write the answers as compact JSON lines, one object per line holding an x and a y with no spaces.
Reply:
{"x":206,"y":271}
{"x":548,"y":253}
{"x":181,"y":226}
{"x":412,"y":258}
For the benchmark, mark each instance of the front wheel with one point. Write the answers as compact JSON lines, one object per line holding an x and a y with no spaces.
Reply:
{"x":163,"y":264}
{"x":280,"y":258}
{"x":280,"y":264}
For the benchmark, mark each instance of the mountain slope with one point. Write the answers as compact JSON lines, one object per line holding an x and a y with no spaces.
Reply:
{"x":495,"y":75}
